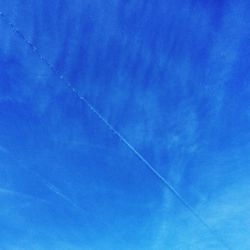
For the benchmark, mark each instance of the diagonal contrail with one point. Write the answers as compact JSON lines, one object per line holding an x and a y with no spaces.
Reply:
{"x":115,"y":132}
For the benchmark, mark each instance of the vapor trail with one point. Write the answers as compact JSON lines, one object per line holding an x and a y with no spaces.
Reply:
{"x":115,"y":132}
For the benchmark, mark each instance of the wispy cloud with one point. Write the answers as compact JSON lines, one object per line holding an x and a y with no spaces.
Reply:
{"x":10,"y":192}
{"x":4,"y":150}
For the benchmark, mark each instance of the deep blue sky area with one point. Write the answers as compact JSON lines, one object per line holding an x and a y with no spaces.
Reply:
{"x":171,"y":77}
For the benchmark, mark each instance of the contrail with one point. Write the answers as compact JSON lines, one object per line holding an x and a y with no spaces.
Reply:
{"x":55,"y":190}
{"x":115,"y":132}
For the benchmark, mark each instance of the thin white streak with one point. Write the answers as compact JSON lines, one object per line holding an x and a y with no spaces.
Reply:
{"x":123,"y":139}
{"x":5,"y":191}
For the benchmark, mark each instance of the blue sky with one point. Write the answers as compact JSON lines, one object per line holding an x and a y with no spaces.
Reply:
{"x":172,"y":77}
